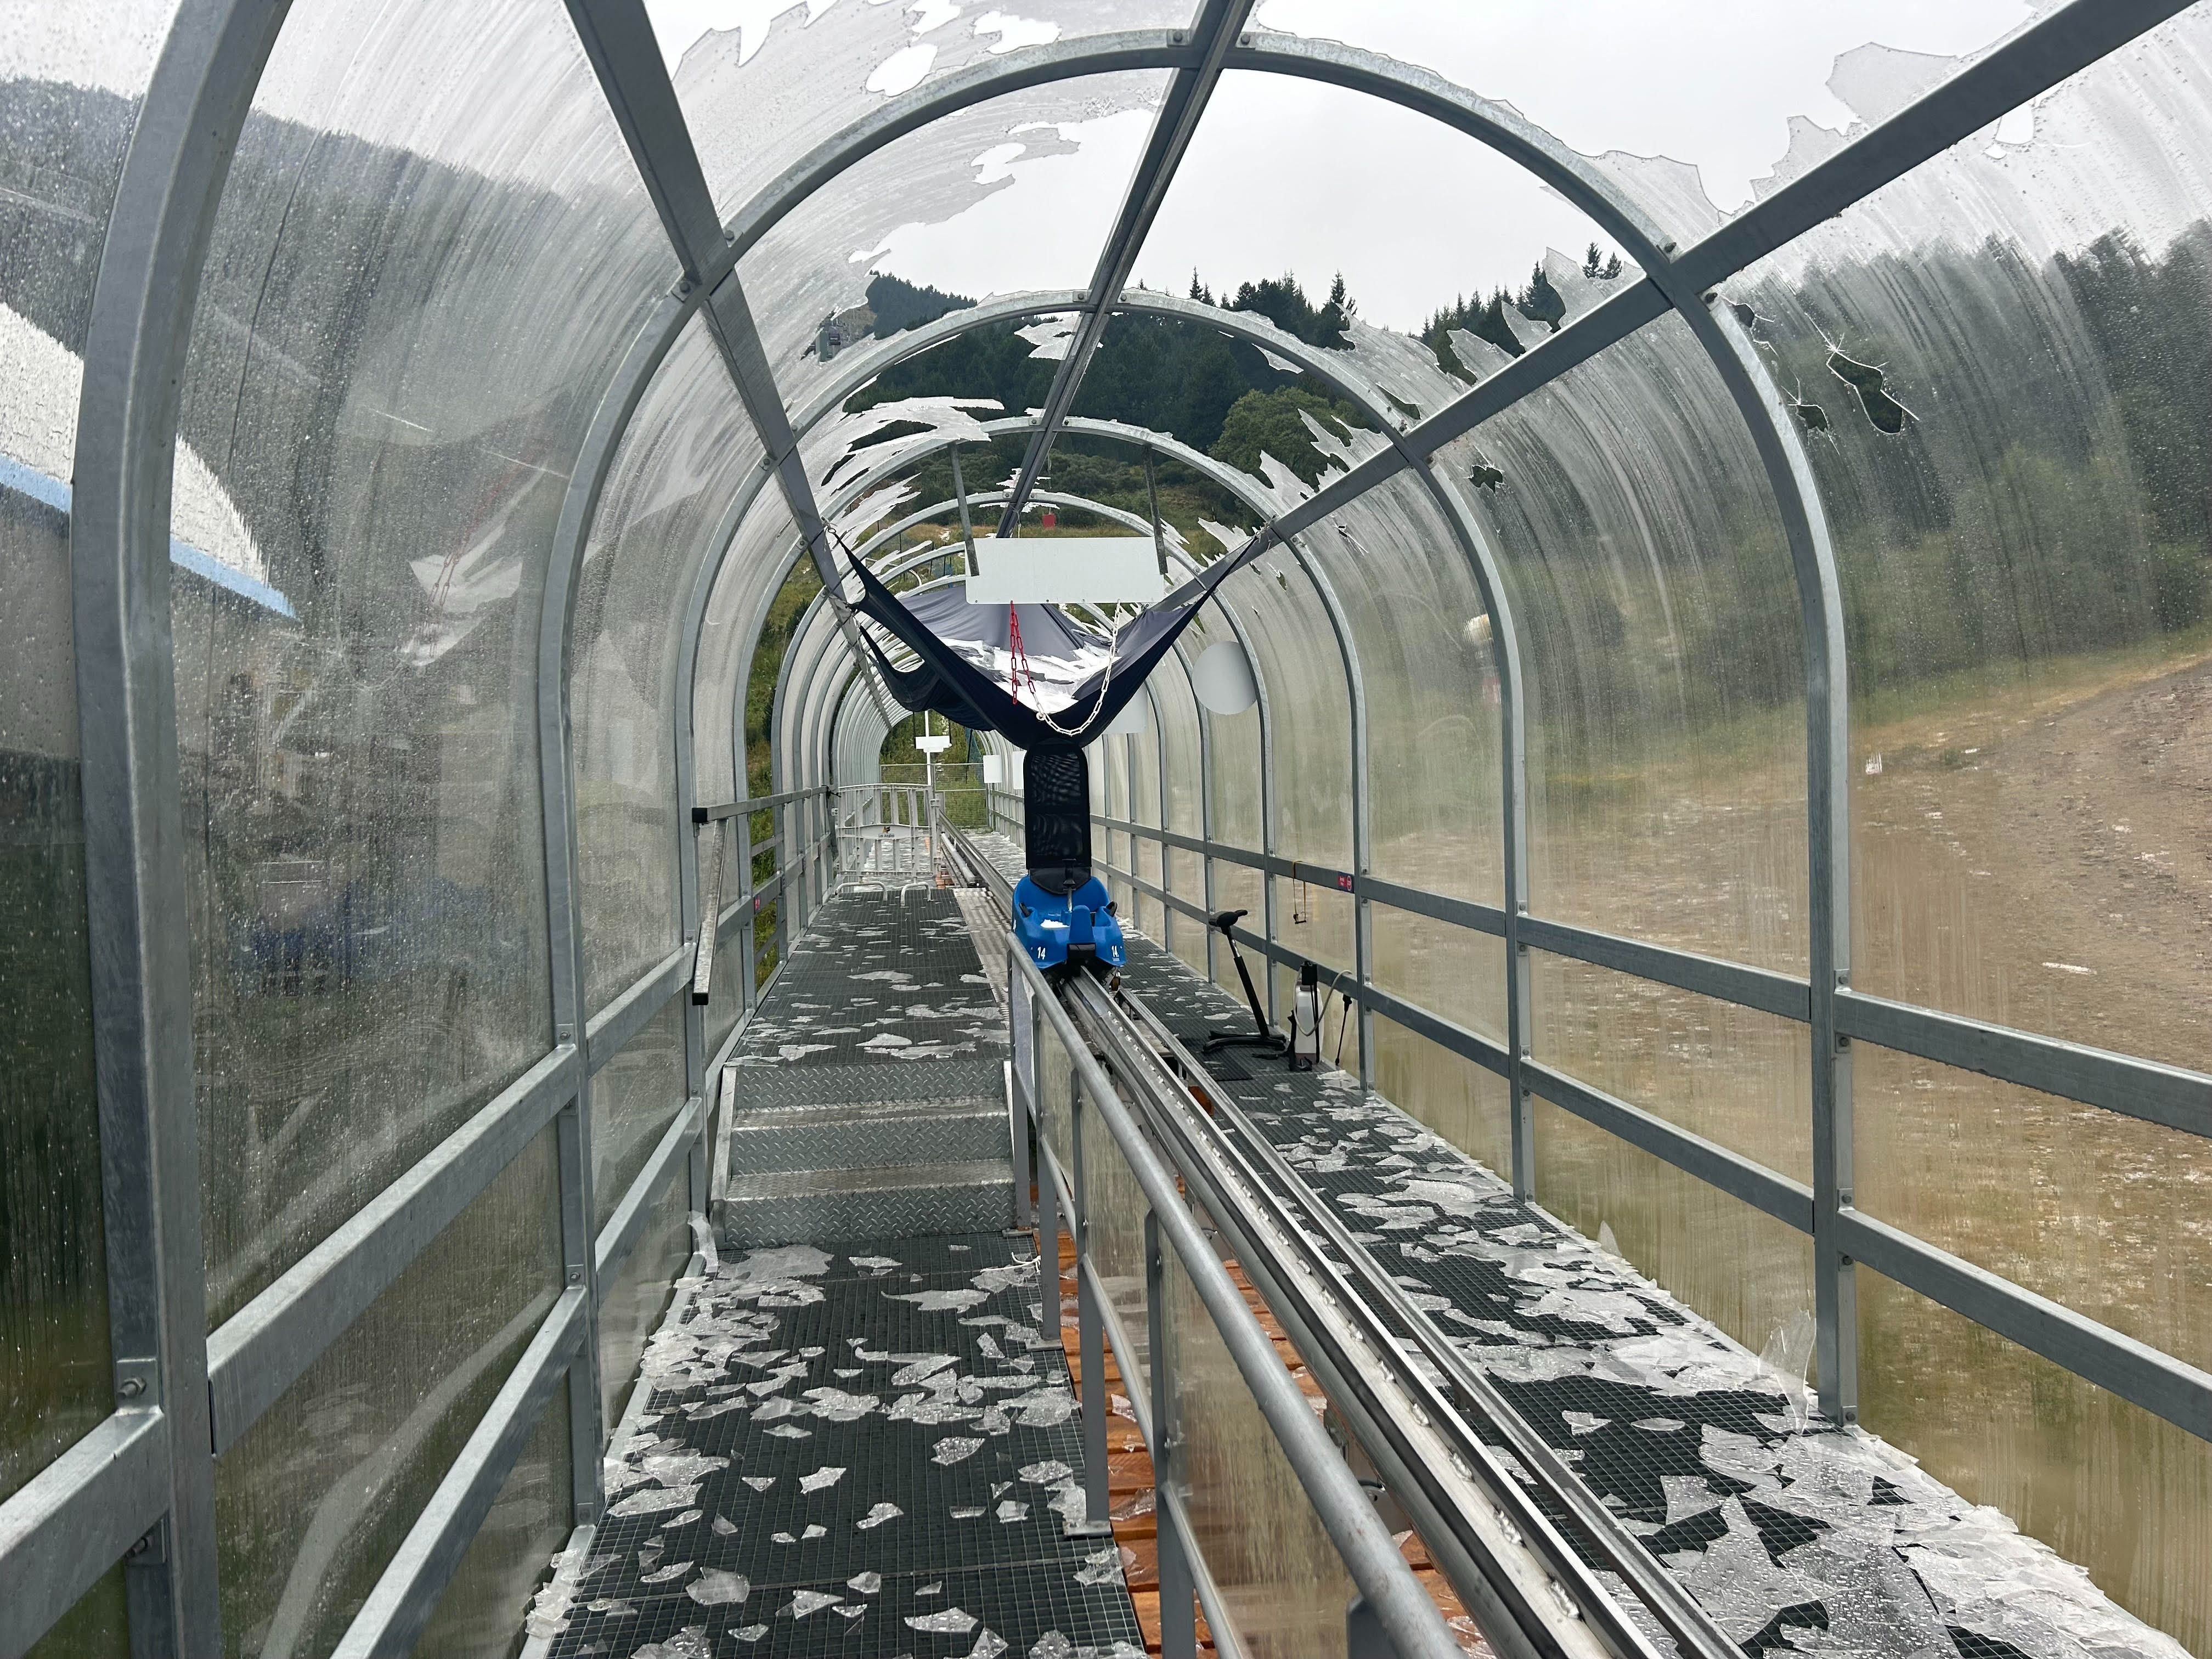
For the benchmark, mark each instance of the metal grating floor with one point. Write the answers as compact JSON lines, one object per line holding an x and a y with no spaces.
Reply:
{"x":837,"y":1445}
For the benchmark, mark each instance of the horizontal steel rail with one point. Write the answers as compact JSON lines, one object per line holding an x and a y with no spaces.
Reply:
{"x":2138,"y":1373}
{"x":259,"y":1353}
{"x":2143,"y":1089}
{"x":1370,"y":1554}
{"x":730,"y":809}
{"x":72,"y":1520}
{"x":1711,"y":976}
{"x":406,"y":1594}
{"x":619,"y":1237}
{"x":2170,"y":1096}
{"x":609,"y":1031}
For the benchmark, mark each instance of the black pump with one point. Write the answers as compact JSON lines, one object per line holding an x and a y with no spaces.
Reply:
{"x":1273,"y":1041}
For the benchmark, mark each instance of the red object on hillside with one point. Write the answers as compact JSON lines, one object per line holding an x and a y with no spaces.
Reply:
{"x":1050,"y":520}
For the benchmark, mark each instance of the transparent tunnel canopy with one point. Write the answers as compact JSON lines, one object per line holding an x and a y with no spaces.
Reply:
{"x":758,"y":102}
{"x":67,"y":118}
{"x":355,"y":703}
{"x":809,"y":278}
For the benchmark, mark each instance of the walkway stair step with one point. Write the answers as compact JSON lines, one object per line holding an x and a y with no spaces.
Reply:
{"x":836,"y":1205}
{"x":844,"y":1136}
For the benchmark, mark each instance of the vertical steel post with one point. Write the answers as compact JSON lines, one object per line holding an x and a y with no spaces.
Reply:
{"x":1347,"y":649}
{"x":1178,"y":1593}
{"x":138,"y":341}
{"x":1021,"y":1022}
{"x":744,"y":830}
{"x":1160,"y":760}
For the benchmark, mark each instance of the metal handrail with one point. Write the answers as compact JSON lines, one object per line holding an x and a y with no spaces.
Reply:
{"x":1386,"y":1583}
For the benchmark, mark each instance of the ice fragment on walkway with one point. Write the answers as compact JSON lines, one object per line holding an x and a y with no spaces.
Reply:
{"x":805,"y":1602}
{"x":791,"y":1432}
{"x":942,"y":1301}
{"x":690,"y":1642}
{"x":867,"y":1583}
{"x":953,"y":1621}
{"x":750,"y":1632}
{"x":1011,"y":1510}
{"x":664,"y":1574}
{"x":953,"y":1449}
{"x":1739,"y":1582}
{"x":878,"y":1516}
{"x":758,"y":1483}
{"x":879,"y":1263}
{"x":717,"y":1589}
{"x":1047,"y":1473}
{"x":655,"y":1500}
{"x":824,"y":1476}
{"x":989,"y":1644}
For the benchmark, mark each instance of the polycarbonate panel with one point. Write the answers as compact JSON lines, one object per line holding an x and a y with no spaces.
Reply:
{"x":1308,"y":709}
{"x":1283,"y":1586}
{"x":481,"y":1611}
{"x":314,"y":1501}
{"x":1734,"y":1075}
{"x":2110,"y":1487}
{"x":1468,"y":1106}
{"x":2101,"y":1213}
{"x":688,"y":448}
{"x":97,"y":1627}
{"x":1424,"y":634}
{"x":757,"y":101}
{"x":631,"y":1305}
{"x":1746,"y":1271}
{"x":67,"y":109}
{"x":1113,"y":1209}
{"x":2027,"y":561}
{"x":1451,"y":971}
{"x":431,"y":253}
{"x":1661,"y":655}
{"x":634,"y":1097}
{"x":807,"y":278}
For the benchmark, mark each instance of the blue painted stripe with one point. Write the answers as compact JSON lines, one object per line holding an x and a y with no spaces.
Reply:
{"x":52,"y":492}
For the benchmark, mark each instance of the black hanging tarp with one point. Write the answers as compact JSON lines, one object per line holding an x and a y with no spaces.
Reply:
{"x":946,"y":683}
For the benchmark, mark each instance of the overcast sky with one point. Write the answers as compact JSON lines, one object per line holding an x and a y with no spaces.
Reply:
{"x":1287,"y":175}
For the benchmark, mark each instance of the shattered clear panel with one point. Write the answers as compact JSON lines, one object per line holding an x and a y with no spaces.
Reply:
{"x":1662,"y":660}
{"x":807,"y":279}
{"x":430,"y":254}
{"x":2099,"y":1482}
{"x":1748,"y":1273}
{"x":1734,"y":1075}
{"x":484,"y":1602}
{"x":1643,"y":85}
{"x":688,"y":448}
{"x":634,"y":1097}
{"x":1468,"y":1106}
{"x":758,"y":100}
{"x":1996,"y":354}
{"x":1367,"y":171}
{"x":313,"y":1502}
{"x":1282,"y":1583}
{"x":632,"y":1302}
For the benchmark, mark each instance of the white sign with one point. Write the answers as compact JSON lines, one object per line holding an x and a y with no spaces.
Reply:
{"x":995,"y":769}
{"x":933,"y":745}
{"x":1066,"y":570}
